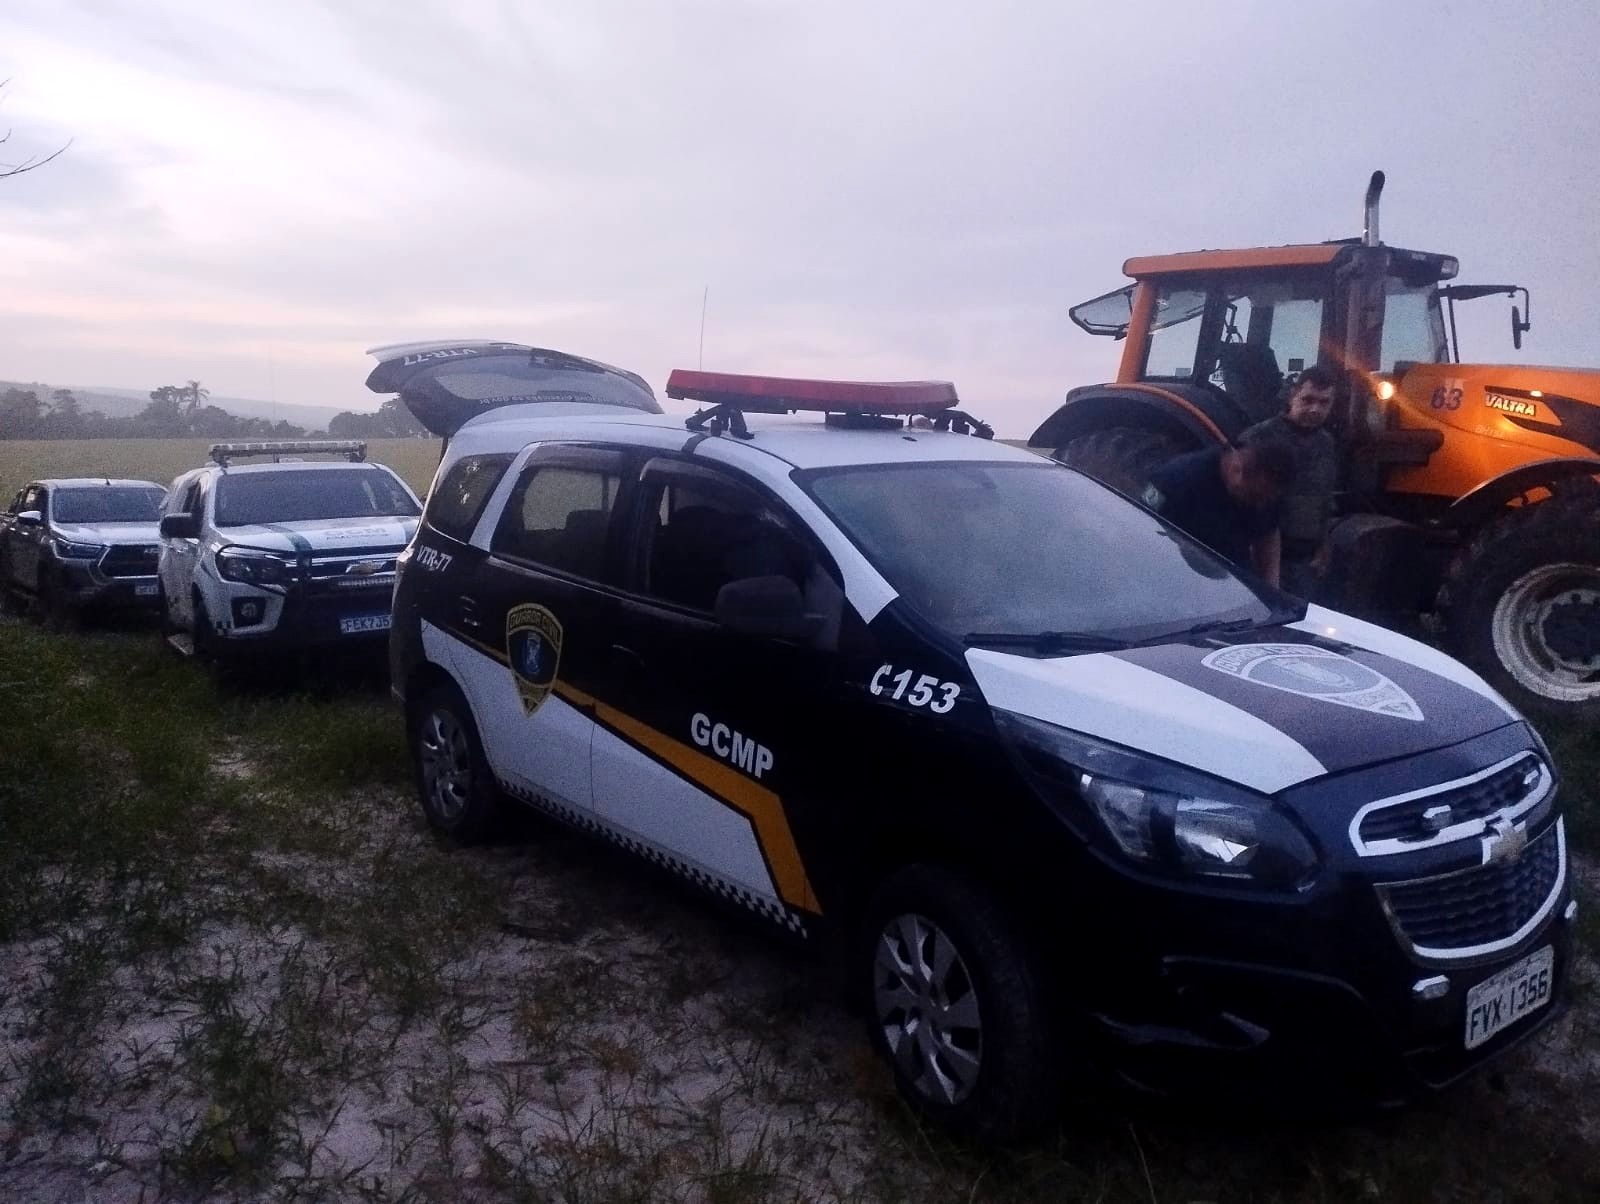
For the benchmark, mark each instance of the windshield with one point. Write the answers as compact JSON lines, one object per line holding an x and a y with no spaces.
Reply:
{"x":107,"y":504}
{"x":288,"y":497}
{"x":1028,"y":548}
{"x":1413,"y":325}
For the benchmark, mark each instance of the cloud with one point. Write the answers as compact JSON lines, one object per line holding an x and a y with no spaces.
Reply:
{"x":896,"y":189}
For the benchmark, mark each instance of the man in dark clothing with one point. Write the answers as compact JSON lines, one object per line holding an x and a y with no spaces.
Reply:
{"x":1308,"y":500}
{"x":1227,"y":498}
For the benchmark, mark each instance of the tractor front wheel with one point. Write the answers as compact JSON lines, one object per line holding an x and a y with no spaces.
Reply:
{"x":1121,"y":456}
{"x":1522,"y":604}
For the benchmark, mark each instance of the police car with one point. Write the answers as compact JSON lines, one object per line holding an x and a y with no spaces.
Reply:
{"x":1075,"y":792}
{"x":287,"y":554}
{"x":73,"y":544}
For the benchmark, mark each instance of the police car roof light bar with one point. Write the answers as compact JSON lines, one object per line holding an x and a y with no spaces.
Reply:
{"x":778,"y":394}
{"x":354,"y":449}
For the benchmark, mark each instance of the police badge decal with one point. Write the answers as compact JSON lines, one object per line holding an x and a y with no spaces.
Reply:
{"x":1317,"y":673}
{"x":533,"y":647}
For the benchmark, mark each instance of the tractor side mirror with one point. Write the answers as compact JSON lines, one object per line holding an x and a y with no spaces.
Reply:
{"x":1517,"y":327}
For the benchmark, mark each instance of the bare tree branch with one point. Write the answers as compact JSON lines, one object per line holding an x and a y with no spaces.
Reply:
{"x":32,"y":161}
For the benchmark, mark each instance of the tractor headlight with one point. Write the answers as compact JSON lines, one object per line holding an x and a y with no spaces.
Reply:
{"x":1160,"y":816}
{"x":251,"y":566}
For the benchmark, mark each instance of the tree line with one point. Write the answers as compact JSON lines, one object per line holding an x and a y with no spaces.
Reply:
{"x":176,"y":411}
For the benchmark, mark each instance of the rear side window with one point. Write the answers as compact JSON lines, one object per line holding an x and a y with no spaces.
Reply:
{"x":458,"y":500}
{"x":558,"y":517}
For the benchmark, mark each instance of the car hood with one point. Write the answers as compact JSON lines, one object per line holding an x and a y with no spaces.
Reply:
{"x":331,"y":535}
{"x":1273,"y":708}
{"x":109,"y":533}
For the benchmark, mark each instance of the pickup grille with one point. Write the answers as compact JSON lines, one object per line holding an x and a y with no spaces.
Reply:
{"x":1483,"y":908}
{"x":357,"y":572}
{"x":130,"y":560}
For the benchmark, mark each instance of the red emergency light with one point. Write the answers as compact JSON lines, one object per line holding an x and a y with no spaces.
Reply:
{"x":780,"y":395}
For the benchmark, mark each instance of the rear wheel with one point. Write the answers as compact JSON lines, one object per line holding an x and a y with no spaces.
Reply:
{"x":1522,"y":604}
{"x":955,"y":1006}
{"x":1121,"y":456}
{"x":459,"y":796}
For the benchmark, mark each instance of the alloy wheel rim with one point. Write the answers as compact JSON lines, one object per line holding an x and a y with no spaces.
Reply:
{"x":927,"y":1007}
{"x":446,"y":765}
{"x":1527,"y":617}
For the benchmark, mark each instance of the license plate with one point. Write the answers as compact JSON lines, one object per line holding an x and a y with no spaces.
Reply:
{"x":145,"y":589}
{"x":1509,"y":996}
{"x":355,"y":624}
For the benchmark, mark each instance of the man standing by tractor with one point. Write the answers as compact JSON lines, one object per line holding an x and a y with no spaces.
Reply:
{"x":1228,"y":498}
{"x":1308,"y":501}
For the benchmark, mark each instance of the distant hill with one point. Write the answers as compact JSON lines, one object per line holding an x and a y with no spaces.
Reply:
{"x":124,"y":403}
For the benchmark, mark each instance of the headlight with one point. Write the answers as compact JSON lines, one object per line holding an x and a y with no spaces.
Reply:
{"x":68,"y":550}
{"x":253,"y":567}
{"x":1164,"y":817}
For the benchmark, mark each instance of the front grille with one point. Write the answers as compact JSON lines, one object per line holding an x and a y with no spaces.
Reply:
{"x":130,"y":560}
{"x":1472,"y":800}
{"x":1482,"y":908}
{"x":361,"y":571}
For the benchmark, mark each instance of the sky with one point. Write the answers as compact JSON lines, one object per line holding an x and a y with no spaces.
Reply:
{"x":254,"y":195}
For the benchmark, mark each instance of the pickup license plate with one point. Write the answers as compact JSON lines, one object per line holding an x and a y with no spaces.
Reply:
{"x":356,"y":624}
{"x":145,"y":589}
{"x":1509,"y":996}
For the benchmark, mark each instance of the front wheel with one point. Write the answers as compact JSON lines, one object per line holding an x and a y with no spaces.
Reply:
{"x":1522,"y":604}
{"x":955,"y":1006}
{"x":1121,"y":456}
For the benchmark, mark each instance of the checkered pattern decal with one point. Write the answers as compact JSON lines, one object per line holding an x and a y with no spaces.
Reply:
{"x":769,"y":909}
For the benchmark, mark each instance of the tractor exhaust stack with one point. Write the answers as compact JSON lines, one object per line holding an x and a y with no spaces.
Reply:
{"x":1369,"y":229}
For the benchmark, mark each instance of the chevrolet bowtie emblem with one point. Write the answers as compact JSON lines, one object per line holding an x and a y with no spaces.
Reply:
{"x":365,"y":568}
{"x":1503,"y":842}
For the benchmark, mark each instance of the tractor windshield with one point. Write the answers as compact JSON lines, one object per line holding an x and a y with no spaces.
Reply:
{"x":1413,"y":325}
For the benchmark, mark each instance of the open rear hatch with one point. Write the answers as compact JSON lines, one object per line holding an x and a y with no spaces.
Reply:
{"x":445,"y":384}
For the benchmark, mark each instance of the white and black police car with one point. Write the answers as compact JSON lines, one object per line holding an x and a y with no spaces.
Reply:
{"x":1074,"y":791}
{"x":283,"y":555}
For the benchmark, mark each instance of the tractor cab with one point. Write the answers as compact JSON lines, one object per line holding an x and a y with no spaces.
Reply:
{"x":1226,"y":331}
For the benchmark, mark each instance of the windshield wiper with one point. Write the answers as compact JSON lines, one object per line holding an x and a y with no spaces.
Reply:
{"x":1210,"y":627}
{"x":1047,"y":641}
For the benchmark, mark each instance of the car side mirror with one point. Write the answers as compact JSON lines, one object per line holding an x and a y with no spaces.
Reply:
{"x":766,"y":606}
{"x":180,"y":526}
{"x":30,"y":518}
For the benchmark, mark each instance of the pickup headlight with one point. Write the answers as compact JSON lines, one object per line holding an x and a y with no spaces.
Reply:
{"x":253,"y":566}
{"x":1161,"y":816}
{"x":68,"y":550}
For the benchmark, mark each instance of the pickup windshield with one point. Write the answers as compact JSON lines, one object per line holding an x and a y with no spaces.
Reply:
{"x":245,"y":499}
{"x":107,"y":504}
{"x":1023,"y":549}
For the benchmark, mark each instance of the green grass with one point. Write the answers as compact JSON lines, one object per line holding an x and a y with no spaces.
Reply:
{"x":229,"y":938}
{"x":160,"y":460}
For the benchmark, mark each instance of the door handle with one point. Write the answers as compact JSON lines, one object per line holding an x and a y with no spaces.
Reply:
{"x":467,"y":612}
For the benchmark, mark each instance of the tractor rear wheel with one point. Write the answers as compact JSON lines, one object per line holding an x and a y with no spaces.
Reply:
{"x":1522,"y":604}
{"x":1121,"y":456}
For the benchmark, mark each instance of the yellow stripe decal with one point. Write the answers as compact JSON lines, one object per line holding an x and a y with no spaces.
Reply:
{"x":761,"y":806}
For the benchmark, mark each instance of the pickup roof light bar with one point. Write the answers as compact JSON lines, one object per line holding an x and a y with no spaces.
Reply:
{"x":353,"y":449}
{"x":846,"y":403}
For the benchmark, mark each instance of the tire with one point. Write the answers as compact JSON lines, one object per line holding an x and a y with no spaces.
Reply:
{"x":1121,"y":456}
{"x":11,"y":602}
{"x":954,"y":1006}
{"x":55,"y":608}
{"x":459,"y":797}
{"x":1521,"y":604}
{"x":210,"y":650}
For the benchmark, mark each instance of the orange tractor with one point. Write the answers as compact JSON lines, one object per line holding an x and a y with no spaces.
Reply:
{"x":1469,"y":500}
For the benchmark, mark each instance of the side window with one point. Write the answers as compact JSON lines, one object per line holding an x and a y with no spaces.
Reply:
{"x":558,"y":517}
{"x":701,"y":534}
{"x":38,"y":499}
{"x":458,"y":500}
{"x":194,"y":499}
{"x":1175,"y":333}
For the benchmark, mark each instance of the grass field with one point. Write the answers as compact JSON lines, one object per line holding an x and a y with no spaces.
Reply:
{"x":159,"y":460}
